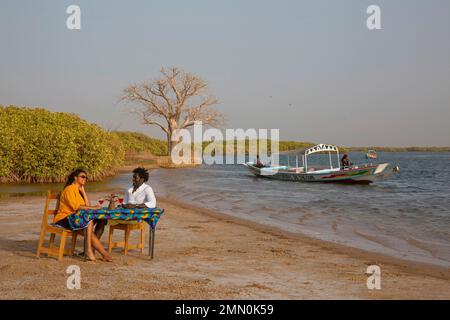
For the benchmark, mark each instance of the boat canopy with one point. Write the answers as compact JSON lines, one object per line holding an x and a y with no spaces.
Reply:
{"x":328,"y":148}
{"x":321,"y":148}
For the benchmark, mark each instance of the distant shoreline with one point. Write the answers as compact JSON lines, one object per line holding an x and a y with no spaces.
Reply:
{"x":400,"y":149}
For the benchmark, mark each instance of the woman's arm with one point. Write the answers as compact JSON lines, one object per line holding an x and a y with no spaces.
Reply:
{"x":87,"y":205}
{"x":86,"y":199}
{"x":70,"y":196}
{"x":97,"y":207}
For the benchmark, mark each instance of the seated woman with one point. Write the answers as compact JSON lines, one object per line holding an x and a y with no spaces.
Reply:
{"x":345,"y":162}
{"x":74,"y":198}
{"x":139,"y":195}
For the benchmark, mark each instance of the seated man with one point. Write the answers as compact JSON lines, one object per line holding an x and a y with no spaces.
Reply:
{"x":139,"y":195}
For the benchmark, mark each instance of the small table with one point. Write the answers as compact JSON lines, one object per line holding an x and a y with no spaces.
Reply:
{"x":151,"y":216}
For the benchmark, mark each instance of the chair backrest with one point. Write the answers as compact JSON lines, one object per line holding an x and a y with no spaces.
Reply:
{"x":47,"y":211}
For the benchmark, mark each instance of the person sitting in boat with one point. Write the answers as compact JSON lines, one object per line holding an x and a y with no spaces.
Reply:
{"x":258,"y":164}
{"x":345,"y":161}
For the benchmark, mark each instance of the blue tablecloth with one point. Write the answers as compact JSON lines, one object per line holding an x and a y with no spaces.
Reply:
{"x":151,"y":216}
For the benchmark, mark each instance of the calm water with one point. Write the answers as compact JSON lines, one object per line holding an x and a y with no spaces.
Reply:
{"x":407,"y":216}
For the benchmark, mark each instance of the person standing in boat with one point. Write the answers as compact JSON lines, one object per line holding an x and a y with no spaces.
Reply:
{"x":258,"y":164}
{"x":345,"y":161}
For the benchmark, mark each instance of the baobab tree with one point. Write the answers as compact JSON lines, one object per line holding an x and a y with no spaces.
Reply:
{"x":175,"y":100}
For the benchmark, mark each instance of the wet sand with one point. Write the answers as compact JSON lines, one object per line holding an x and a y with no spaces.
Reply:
{"x":203,"y":255}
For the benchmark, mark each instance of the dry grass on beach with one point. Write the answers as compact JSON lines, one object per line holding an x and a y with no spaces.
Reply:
{"x":201,"y":255}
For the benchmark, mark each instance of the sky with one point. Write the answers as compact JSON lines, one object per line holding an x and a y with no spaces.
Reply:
{"x":309,"y":68}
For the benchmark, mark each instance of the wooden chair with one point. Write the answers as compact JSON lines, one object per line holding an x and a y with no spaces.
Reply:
{"x":46,"y":227}
{"x":127,"y":228}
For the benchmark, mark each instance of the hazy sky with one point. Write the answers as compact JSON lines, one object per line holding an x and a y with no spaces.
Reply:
{"x":310,"y":68}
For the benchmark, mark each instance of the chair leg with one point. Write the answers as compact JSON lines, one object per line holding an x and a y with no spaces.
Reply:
{"x":142,"y":237}
{"x":73,"y":243}
{"x":127,"y":238}
{"x":62,"y":245}
{"x":110,"y":237}
{"x":40,"y":242}
{"x":52,"y":240}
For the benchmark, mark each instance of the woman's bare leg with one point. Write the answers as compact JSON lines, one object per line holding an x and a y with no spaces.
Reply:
{"x":90,"y":254}
{"x":100,"y":227}
{"x":99,"y":247}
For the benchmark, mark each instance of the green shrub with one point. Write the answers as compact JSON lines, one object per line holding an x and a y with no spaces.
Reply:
{"x":37,"y":145}
{"x":139,"y":142}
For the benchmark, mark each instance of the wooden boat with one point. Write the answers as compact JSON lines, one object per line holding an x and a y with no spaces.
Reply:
{"x":365,"y":174}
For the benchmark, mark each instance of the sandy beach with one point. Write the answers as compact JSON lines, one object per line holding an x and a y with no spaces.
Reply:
{"x":203,"y":255}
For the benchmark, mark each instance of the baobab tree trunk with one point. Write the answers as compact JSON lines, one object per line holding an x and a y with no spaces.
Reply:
{"x":172,"y":125}
{"x":169,"y":144}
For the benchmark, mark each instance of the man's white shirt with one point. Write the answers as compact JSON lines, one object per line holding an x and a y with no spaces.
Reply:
{"x":143,"y":195}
